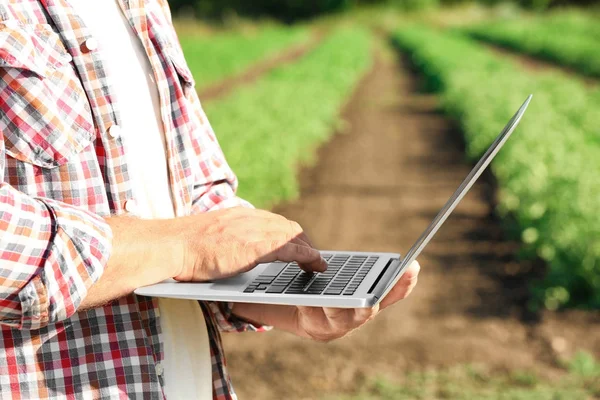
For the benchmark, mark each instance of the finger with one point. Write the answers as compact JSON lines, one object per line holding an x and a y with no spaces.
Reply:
{"x":304,"y":267}
{"x":345,"y":320}
{"x":364,"y":315}
{"x":404,"y":287}
{"x":304,"y":237}
{"x":304,"y":255}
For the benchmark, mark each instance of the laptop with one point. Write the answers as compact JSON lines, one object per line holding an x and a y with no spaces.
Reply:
{"x":352,"y":280}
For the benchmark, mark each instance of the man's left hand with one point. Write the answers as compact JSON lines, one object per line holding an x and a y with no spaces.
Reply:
{"x":326,"y":324}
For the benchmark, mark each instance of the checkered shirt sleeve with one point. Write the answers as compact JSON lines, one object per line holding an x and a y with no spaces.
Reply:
{"x":50,"y":255}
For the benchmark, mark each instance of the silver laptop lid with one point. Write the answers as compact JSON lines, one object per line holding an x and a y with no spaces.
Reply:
{"x":462,"y":190}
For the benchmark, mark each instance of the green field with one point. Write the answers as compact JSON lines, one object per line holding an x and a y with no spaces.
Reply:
{"x":269,"y":128}
{"x":548,"y":172}
{"x":581,"y":382}
{"x":213,"y":58}
{"x":567,"y":38}
{"x":547,"y":176}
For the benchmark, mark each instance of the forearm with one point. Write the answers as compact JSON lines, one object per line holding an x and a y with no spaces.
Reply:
{"x":144,"y":252}
{"x":280,"y":316}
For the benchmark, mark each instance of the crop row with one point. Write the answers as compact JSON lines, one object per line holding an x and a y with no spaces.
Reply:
{"x":547,"y":173}
{"x":212,"y":58}
{"x":268,"y":128}
{"x":571,"y":39}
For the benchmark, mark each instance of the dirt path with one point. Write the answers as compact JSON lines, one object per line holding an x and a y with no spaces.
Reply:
{"x":376,"y":188}
{"x":253,"y":73}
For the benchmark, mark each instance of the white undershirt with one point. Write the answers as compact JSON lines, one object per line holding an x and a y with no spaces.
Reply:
{"x":187,"y":363}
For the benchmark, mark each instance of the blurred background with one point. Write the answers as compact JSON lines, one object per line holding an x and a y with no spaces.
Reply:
{"x":359,"y":119}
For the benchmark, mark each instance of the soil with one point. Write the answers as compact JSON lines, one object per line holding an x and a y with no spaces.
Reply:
{"x":253,"y":73}
{"x":375,"y":188}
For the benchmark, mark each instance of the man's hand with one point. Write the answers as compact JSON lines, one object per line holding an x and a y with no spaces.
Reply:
{"x":325,"y":324}
{"x":224,"y":243}
{"x":200,"y":247}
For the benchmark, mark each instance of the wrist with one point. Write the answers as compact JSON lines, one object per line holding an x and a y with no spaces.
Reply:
{"x":245,"y":313}
{"x":147,"y":248}
{"x":282,"y":317}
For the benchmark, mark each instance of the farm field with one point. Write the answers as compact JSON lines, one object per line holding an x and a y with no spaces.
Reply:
{"x":220,"y":56}
{"x":346,"y":140}
{"x":547,"y":175}
{"x":566,"y":38}
{"x":285,"y":115}
{"x":473,"y":382}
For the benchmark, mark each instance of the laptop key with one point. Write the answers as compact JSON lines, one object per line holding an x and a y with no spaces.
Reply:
{"x":264,"y":279}
{"x":321,"y":281}
{"x":315,"y":290}
{"x":295,"y":291}
{"x":333,"y":291}
{"x":340,"y":286}
{"x":276,"y":288}
{"x":338,"y":259}
{"x":336,"y":287}
{"x":339,"y":279}
{"x":274,"y":269}
{"x":319,"y":285}
{"x":279,"y":282}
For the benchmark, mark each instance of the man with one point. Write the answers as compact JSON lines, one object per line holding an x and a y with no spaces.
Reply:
{"x":109,"y":168}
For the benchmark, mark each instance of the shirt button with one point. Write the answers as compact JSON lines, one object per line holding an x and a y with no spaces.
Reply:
{"x":91,"y":44}
{"x":131,"y":206}
{"x":159,"y":369}
{"x":114,"y":131}
{"x":68,"y":58}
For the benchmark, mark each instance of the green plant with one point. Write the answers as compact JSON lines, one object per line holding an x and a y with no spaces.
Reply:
{"x":568,"y":38}
{"x":214,"y":58}
{"x":584,"y":365}
{"x":458,"y":383}
{"x":268,"y":128}
{"x":547,"y":173}
{"x":412,"y":5}
{"x":524,"y":378}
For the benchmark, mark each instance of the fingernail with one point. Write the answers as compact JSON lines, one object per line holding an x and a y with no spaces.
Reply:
{"x":324,"y":264}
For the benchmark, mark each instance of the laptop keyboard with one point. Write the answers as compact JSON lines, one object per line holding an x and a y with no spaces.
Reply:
{"x":343,"y":276}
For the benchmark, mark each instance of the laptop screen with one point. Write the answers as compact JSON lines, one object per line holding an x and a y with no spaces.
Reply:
{"x":462,"y":190}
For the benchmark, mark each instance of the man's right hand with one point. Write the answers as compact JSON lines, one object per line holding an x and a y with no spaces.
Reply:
{"x":200,"y":247}
{"x":227,"y":242}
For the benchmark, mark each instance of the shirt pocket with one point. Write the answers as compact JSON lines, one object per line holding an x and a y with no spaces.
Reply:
{"x":177,"y":59}
{"x":45,"y":115}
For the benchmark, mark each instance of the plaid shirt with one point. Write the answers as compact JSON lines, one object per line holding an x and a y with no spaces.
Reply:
{"x":61,"y":172}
